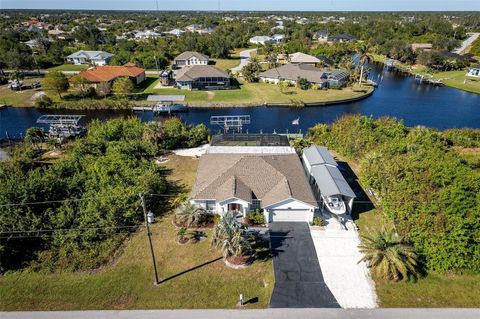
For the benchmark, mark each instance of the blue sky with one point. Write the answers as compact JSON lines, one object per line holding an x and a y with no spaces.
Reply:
{"x":267,"y":5}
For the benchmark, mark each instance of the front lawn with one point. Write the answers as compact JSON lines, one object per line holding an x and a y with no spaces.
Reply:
{"x":197,"y":278}
{"x":69,"y":67}
{"x":258,"y":94}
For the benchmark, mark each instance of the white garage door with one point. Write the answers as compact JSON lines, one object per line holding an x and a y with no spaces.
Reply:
{"x":290,"y":215}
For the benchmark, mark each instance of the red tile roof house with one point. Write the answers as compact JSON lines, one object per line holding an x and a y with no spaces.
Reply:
{"x":102,"y":77}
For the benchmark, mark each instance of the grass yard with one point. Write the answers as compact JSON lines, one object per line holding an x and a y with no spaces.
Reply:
{"x":70,"y":67}
{"x":197,"y":278}
{"x":227,"y":64}
{"x":457,"y":79}
{"x":258,"y":94}
{"x":22,"y":98}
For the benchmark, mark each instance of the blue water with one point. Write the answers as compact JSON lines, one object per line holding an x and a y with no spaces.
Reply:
{"x":398,"y":96}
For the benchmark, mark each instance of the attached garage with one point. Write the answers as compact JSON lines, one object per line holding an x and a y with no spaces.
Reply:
{"x":291,"y":215}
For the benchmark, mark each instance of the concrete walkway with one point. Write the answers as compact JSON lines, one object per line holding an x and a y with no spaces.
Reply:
{"x":468,"y":42}
{"x":244,"y":59}
{"x":447,"y":313}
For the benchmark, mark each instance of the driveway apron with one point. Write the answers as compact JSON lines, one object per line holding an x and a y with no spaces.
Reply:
{"x":298,"y":278}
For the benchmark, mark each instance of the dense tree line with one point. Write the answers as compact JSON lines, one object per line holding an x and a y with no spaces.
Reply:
{"x":90,"y":195}
{"x":427,"y":190}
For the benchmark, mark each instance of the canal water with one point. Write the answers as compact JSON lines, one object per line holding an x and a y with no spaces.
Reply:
{"x":398,"y":96}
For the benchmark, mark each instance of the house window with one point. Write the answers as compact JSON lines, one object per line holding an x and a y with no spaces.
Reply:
{"x":256,"y":204}
{"x":210,"y":205}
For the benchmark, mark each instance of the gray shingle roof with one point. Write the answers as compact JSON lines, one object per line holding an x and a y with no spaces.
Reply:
{"x":191,"y":72}
{"x":299,"y":57}
{"x":92,"y":55}
{"x":188,"y":54}
{"x":270,"y":178}
{"x":292,"y":72}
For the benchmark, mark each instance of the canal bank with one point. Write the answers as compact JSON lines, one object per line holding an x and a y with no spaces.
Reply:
{"x":397,"y":96}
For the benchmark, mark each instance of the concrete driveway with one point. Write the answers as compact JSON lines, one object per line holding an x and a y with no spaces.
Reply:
{"x":298,"y":278}
{"x":244,"y":59}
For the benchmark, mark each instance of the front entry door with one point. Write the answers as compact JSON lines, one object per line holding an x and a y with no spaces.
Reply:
{"x":234,"y":207}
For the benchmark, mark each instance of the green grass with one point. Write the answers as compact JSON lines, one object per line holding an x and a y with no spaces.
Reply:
{"x":19,"y":98}
{"x":257,"y":94}
{"x":69,"y":67}
{"x":227,"y":64}
{"x":457,"y":79}
{"x":127,"y":282}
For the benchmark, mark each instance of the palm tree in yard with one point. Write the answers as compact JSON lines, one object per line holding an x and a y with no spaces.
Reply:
{"x":189,"y":214}
{"x":230,"y":237}
{"x":389,"y":257}
{"x":363,"y":58}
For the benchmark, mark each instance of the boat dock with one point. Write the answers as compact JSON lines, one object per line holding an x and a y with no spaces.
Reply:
{"x":427,"y":79}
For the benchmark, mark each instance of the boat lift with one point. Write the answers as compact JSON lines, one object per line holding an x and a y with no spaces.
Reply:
{"x":62,"y":126}
{"x":227,"y":122}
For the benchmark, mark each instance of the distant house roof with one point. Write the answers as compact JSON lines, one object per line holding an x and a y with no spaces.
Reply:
{"x":421,"y":46}
{"x":448,"y":54}
{"x":261,"y":38}
{"x":342,"y":37}
{"x":318,"y":155}
{"x":331,"y":182}
{"x":176,"y":32}
{"x":91,"y":55}
{"x":147,"y":34}
{"x":299,"y":57}
{"x":292,"y":72}
{"x":321,"y":33}
{"x":269,"y":178}
{"x":192,"y":72}
{"x":188,"y":54}
{"x":326,"y":60}
{"x":109,"y":72}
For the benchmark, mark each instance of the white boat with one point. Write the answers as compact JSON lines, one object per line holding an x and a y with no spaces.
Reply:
{"x":169,"y":108}
{"x":334,"y":204}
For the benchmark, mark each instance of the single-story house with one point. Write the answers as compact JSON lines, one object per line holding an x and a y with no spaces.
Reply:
{"x":325,"y":177}
{"x":292,"y":72}
{"x":341,"y":38}
{"x":321,"y":35}
{"x":261,"y":39}
{"x":240,"y":183}
{"x":302,"y":58}
{"x":190,"y":58}
{"x":474,"y":71}
{"x":277,"y":38}
{"x":148,"y":34}
{"x":421,"y":46}
{"x":198,"y":77}
{"x":102,"y":77}
{"x":175,"y":32}
{"x":93,"y":57}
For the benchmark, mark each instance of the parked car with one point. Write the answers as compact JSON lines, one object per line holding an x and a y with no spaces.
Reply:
{"x":36,"y":84}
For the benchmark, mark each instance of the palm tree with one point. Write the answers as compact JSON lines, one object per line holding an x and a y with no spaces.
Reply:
{"x":363,"y":58}
{"x":389,"y":257}
{"x":190,"y":214}
{"x":230,"y":237}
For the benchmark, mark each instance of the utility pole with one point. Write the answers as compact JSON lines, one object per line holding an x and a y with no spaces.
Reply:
{"x":149,"y":236}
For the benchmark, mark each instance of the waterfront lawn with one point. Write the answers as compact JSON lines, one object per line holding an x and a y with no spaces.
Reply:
{"x":22,"y":98}
{"x":258,"y":94}
{"x":231,"y":62}
{"x":127,"y":283}
{"x":69,"y":67}
{"x":457,"y":79}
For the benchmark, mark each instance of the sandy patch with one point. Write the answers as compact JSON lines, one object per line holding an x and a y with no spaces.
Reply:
{"x":192,"y":152}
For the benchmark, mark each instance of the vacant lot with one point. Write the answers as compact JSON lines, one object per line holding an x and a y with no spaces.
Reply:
{"x":19,"y":98}
{"x":195,"y":276}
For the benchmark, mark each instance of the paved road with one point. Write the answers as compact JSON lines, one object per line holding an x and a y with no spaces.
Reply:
{"x":257,"y":314}
{"x":244,"y":59}
{"x":468,"y":42}
{"x":298,"y":279}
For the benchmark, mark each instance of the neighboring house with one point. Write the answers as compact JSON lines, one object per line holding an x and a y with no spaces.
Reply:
{"x":190,"y":58}
{"x":102,"y":77}
{"x":341,"y":38}
{"x":321,"y":35}
{"x":455,"y":56}
{"x":324,"y":175}
{"x":261,"y":39}
{"x":175,"y":32}
{"x":59,"y":34}
{"x":474,"y":71}
{"x":421,"y":47}
{"x":292,"y":72}
{"x":277,"y":38}
{"x":93,"y":57}
{"x":302,"y":58}
{"x":141,"y":35}
{"x":240,"y":183}
{"x":326,"y":61}
{"x":199,"y":77}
